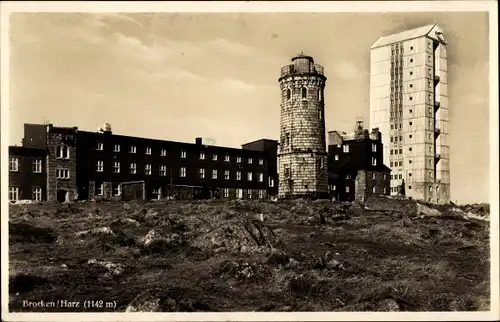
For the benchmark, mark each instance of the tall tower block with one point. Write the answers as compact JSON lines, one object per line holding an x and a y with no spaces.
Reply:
{"x":409,"y":104}
{"x":302,"y":158}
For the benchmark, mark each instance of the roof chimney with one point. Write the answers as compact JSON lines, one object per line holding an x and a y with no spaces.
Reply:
{"x":198,"y":141}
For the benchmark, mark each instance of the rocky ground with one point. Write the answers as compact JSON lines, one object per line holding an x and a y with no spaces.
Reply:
{"x":384,"y":255}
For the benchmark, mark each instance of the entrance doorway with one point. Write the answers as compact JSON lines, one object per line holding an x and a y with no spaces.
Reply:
{"x":62,"y":195}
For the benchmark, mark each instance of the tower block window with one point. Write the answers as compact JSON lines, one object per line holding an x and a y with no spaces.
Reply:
{"x":304,"y":92}
{"x":288,"y":94}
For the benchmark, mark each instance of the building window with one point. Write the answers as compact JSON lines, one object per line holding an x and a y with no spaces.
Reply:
{"x":391,"y":163}
{"x":411,"y":111}
{"x":133,"y":149}
{"x":409,"y":174}
{"x":37,"y":194}
{"x":304,"y":92}
{"x":373,"y":175}
{"x":250,"y":160}
{"x":202,"y":155}
{"x":411,"y":47}
{"x":182,"y":172}
{"x":374,"y":147}
{"x":385,"y":176}
{"x":226,"y":158}
{"x":429,"y":59}
{"x":62,"y":174}
{"x":392,"y":139}
{"x":13,"y":164}
{"x":226,"y":175}
{"x":62,"y":152}
{"x":116,"y":148}
{"x":100,"y":146}
{"x":411,"y":85}
{"x":411,"y":98}
{"x":133,"y":168}
{"x":201,"y":173}
{"x":214,"y":157}
{"x":288,"y":94}
{"x":147,"y":169}
{"x":116,"y":167}
{"x":163,"y":170}
{"x":238,"y":175}
{"x":334,"y":187}
{"x":430,"y":189}
{"x":225,"y":192}
{"x":320,"y":95}
{"x":249,"y":193}
{"x":163,"y":153}
{"x":99,"y":189}
{"x":345,"y":148}
{"x":374,"y":190}
{"x":37,"y":166}
{"x":320,"y":113}
{"x":411,"y":73}
{"x":249,"y":176}
{"x":400,"y":176}
{"x":261,"y":161}
{"x":271,"y":182}
{"x":260,"y":177}
{"x":116,"y":189}
{"x":411,"y":60}
{"x":409,"y":161}
{"x":336,"y":157}
{"x":214,"y":174}
{"x":392,"y":152}
{"x":238,"y":160}
{"x":13,"y":193}
{"x":400,"y":163}
{"x":148,"y":151}
{"x":374,"y":161}
{"x":346,"y":188}
{"x":183,"y":154}
{"x":100,"y":166}
{"x":261,"y":193}
{"x":348,"y":176}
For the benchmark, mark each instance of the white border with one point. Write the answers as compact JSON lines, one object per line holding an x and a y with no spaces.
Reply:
{"x":214,"y":6}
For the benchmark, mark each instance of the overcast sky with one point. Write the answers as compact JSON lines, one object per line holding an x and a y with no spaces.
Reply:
{"x":179,"y":76}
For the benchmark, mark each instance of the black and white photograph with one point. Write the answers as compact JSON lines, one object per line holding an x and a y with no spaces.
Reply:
{"x":263,"y":160}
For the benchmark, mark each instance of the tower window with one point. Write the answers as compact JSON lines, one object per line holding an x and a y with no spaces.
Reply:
{"x":411,"y":73}
{"x":288,"y":94}
{"x":411,"y":60}
{"x":304,"y":92}
{"x":411,"y":47}
{"x":320,"y":95}
{"x":320,"y":114}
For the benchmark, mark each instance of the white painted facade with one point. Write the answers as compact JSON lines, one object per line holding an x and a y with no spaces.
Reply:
{"x":409,"y":105}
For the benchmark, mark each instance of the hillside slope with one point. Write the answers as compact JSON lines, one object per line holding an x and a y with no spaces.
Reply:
{"x":386,"y":255}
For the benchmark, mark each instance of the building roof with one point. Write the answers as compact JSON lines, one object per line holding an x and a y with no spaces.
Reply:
{"x":404,"y":35}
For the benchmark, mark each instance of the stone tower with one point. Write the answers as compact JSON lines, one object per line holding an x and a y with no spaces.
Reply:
{"x":302,"y":158}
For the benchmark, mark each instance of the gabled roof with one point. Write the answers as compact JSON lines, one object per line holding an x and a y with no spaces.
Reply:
{"x":405,"y":35}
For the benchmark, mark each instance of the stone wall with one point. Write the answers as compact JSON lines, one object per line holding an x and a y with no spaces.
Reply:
{"x":302,"y":164}
{"x":107,"y":191}
{"x":367,"y":180}
{"x":62,"y":138}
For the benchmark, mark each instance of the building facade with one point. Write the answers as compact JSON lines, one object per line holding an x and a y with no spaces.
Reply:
{"x":81,"y":165}
{"x":409,"y":104}
{"x":27,"y":173}
{"x":356,"y":165}
{"x":302,"y":149}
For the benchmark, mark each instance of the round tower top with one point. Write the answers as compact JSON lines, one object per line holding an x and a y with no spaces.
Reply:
{"x":301,"y":56}
{"x":302,"y":64}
